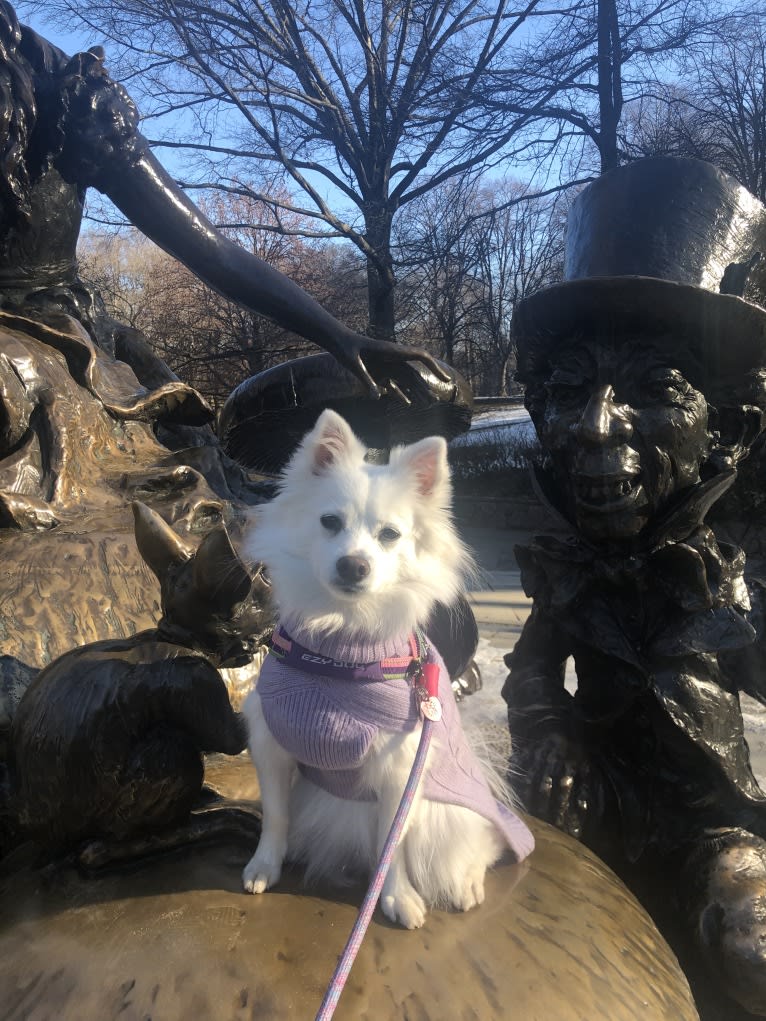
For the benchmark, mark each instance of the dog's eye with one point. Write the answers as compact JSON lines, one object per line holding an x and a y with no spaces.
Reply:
{"x":388,"y":535}
{"x":331,"y":522}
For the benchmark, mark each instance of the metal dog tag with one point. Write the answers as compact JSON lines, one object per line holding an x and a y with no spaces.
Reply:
{"x":431,"y":708}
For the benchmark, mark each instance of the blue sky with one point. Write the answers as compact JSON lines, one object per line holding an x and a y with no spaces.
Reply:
{"x":32,"y":14}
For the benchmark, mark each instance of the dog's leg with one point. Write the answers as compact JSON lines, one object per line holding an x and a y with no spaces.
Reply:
{"x":448,"y":853}
{"x":399,"y":900}
{"x":275,"y":769}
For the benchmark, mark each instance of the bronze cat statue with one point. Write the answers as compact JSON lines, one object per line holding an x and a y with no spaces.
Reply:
{"x":107,"y":742}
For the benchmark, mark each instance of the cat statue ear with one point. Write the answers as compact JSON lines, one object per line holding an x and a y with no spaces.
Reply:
{"x":157,"y":543}
{"x":218,"y":573}
{"x":209,"y":598}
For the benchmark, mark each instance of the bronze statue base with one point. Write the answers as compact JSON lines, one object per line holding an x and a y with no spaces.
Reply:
{"x":558,"y":938}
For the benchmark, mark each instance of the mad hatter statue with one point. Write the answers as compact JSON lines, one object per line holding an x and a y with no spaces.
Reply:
{"x":645,"y":379}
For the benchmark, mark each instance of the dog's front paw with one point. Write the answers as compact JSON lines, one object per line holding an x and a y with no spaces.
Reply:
{"x":472,"y":892}
{"x":261,"y":873}
{"x":407,"y":908}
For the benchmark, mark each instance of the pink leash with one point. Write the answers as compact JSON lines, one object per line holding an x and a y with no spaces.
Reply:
{"x":431,"y":712}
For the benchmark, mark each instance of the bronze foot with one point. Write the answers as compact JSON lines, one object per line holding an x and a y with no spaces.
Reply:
{"x":724,"y":892}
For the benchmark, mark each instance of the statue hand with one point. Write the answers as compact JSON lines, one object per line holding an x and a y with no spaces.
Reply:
{"x":382,"y":365}
{"x":560,"y":784}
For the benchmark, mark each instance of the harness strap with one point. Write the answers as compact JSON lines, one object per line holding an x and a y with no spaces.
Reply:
{"x":292,"y":653}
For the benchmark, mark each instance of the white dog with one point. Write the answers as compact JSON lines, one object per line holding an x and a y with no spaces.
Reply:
{"x":358,"y":554}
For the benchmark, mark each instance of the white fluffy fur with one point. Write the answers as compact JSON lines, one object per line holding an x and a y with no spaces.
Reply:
{"x":446,"y":849}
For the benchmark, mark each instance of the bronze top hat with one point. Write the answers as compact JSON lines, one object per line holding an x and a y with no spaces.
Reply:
{"x":661,"y":248}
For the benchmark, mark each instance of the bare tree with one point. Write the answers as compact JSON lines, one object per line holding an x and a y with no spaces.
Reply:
{"x":606,"y":56}
{"x":723,"y":104}
{"x":437,"y":256}
{"x":521,"y":251}
{"x":377,"y":102}
{"x":732,"y":78}
{"x":474,"y":252}
{"x":212,"y":343}
{"x":116,"y":266}
{"x":716,"y":109}
{"x":665,"y":124}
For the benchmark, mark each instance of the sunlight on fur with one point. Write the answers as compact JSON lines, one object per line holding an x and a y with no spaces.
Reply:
{"x":358,"y":555}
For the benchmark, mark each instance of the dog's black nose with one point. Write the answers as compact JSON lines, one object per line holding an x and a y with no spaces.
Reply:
{"x":352,"y":569}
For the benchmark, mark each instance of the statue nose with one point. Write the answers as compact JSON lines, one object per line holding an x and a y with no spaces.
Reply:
{"x":352,"y":569}
{"x":603,"y":418}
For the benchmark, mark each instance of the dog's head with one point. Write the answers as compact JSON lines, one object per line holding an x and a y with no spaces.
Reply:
{"x":364,"y":547}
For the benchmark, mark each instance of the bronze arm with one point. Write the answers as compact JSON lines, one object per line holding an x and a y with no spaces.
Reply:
{"x":104,"y":148}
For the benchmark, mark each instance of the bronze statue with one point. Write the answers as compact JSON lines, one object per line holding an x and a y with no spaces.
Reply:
{"x":107,"y":741}
{"x":91,"y":421}
{"x":267,"y":415}
{"x":646,"y":383}
{"x":90,"y":418}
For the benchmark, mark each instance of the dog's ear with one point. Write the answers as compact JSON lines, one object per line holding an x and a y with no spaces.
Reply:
{"x":426,"y":463}
{"x":157,"y":543}
{"x":330,"y":440}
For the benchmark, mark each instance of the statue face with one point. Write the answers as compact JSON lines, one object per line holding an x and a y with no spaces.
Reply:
{"x":625,"y":432}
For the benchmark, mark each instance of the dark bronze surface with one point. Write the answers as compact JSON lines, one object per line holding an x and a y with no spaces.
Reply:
{"x":646,"y":388}
{"x":559,"y":938}
{"x":649,"y":248}
{"x":268,"y":414}
{"x":72,"y":460}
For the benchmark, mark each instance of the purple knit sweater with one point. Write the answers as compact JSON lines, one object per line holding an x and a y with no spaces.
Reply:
{"x":329,"y":724}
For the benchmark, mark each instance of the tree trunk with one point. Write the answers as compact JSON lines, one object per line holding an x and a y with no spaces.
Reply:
{"x":380,"y":274}
{"x":609,"y":83}
{"x":448,"y":346}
